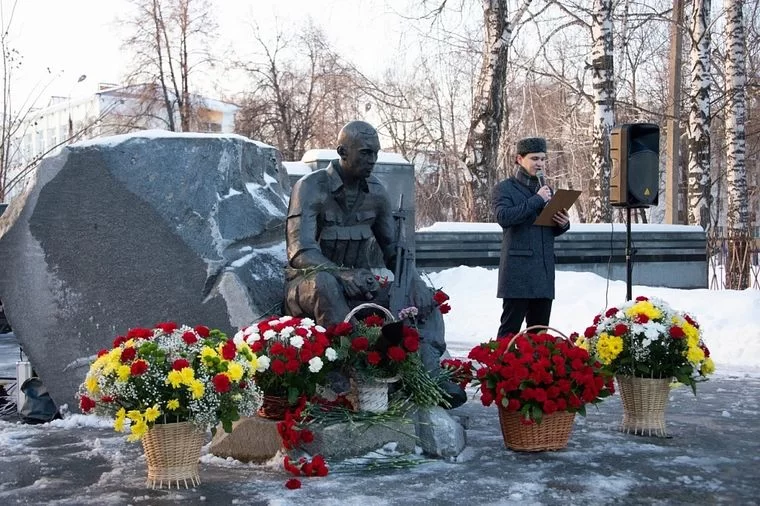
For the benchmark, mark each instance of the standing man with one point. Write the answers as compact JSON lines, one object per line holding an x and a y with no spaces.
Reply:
{"x":526,"y":267}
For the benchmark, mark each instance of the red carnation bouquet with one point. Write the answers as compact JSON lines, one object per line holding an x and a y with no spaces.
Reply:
{"x":539,"y":374}
{"x":294,"y":355}
{"x":373,"y":348}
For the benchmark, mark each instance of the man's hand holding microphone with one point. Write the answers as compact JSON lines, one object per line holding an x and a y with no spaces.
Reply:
{"x":561,"y":218}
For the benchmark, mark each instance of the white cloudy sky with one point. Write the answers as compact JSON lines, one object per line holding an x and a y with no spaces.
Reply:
{"x":76,"y":37}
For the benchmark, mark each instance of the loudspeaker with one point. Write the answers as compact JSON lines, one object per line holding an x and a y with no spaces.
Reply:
{"x":635,"y":153}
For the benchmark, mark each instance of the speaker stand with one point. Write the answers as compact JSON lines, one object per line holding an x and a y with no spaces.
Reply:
{"x":628,"y":254}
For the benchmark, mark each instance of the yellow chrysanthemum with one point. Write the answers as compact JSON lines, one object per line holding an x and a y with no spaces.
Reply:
{"x":152,"y":413}
{"x":134,"y":415}
{"x":174,"y":378}
{"x":643,"y":307}
{"x":708,"y":367}
{"x":188,"y":375}
{"x":91,"y":383}
{"x":111,"y":360}
{"x":197,"y":389}
{"x":608,"y":347}
{"x":692,"y":332}
{"x":695,"y":354}
{"x":123,"y":372}
{"x":172,"y":405}
{"x":582,"y":343}
{"x":235,"y":371}
{"x":118,"y":424}
{"x":208,"y":353}
{"x":137,"y":430}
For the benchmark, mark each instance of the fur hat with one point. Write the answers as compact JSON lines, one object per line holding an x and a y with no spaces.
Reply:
{"x":531,"y":145}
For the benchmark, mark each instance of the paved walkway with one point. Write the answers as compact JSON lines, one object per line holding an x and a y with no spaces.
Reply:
{"x":712,"y":457}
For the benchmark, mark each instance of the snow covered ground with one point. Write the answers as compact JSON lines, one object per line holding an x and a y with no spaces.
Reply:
{"x":713,"y":456}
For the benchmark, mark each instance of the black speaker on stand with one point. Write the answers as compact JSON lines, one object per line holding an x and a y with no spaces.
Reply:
{"x":634,"y":182}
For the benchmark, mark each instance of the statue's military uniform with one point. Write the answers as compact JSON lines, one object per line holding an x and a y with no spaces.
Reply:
{"x":327,"y":228}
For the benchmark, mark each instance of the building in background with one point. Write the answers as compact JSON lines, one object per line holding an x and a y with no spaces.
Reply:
{"x":111,"y":110}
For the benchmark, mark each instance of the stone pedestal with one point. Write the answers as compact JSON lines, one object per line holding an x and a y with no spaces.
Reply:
{"x":253,"y":439}
{"x":347,"y":440}
{"x":440,"y":435}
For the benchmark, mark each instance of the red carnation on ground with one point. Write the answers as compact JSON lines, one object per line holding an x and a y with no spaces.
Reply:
{"x":293,"y":484}
{"x":167,"y":327}
{"x":180,"y":364}
{"x":221,"y":383}
{"x":138,"y":367}
{"x":189,"y":338}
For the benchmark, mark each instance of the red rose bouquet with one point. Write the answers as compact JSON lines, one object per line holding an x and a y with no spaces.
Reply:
{"x":539,"y":374}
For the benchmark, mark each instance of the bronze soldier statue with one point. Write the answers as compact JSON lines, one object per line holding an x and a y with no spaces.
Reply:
{"x":337,"y":218}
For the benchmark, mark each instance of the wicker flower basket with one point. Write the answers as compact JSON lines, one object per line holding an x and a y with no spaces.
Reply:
{"x":644,"y":401}
{"x":371,"y":393}
{"x":273,"y":407}
{"x":553,"y":433}
{"x":173,"y":451}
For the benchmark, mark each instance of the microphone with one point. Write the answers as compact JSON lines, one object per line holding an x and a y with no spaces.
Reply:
{"x":542,"y":180}
{"x":541,"y":177}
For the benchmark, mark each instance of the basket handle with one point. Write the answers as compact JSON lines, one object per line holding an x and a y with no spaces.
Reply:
{"x":543,"y":327}
{"x":367,"y":305}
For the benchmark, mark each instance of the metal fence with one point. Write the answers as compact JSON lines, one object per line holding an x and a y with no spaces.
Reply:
{"x":733,"y":262}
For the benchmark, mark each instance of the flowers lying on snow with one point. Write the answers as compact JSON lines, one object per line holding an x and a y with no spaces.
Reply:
{"x":647,"y":338}
{"x":539,"y":374}
{"x":294,"y":355}
{"x":170,"y":374}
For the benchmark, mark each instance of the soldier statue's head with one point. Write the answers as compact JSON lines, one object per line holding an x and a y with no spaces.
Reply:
{"x":358,"y":145}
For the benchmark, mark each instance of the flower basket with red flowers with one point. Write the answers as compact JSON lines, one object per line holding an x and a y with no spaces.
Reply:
{"x":378,"y":350}
{"x":167,"y":385}
{"x":294,"y":356}
{"x":538,"y":381}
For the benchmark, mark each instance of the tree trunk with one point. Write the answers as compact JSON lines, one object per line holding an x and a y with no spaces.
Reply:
{"x":737,"y":270}
{"x":489,"y":111}
{"x":604,"y":109}
{"x":699,"y":185}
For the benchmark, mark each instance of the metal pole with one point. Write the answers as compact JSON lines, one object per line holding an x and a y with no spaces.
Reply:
{"x":628,"y":254}
{"x":673,"y":165}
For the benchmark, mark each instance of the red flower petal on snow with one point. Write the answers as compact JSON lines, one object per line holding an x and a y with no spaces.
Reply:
{"x":293,"y":484}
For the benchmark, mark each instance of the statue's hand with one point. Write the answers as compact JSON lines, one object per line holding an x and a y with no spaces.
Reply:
{"x":423,"y":297}
{"x":359,"y":283}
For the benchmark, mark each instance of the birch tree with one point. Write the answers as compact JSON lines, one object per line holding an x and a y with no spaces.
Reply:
{"x":604,"y":109}
{"x":489,"y":111}
{"x":700,"y":184}
{"x":737,"y":270}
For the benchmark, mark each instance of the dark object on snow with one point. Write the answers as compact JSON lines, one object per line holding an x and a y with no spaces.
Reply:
{"x":38,"y":406}
{"x":5,"y":327}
